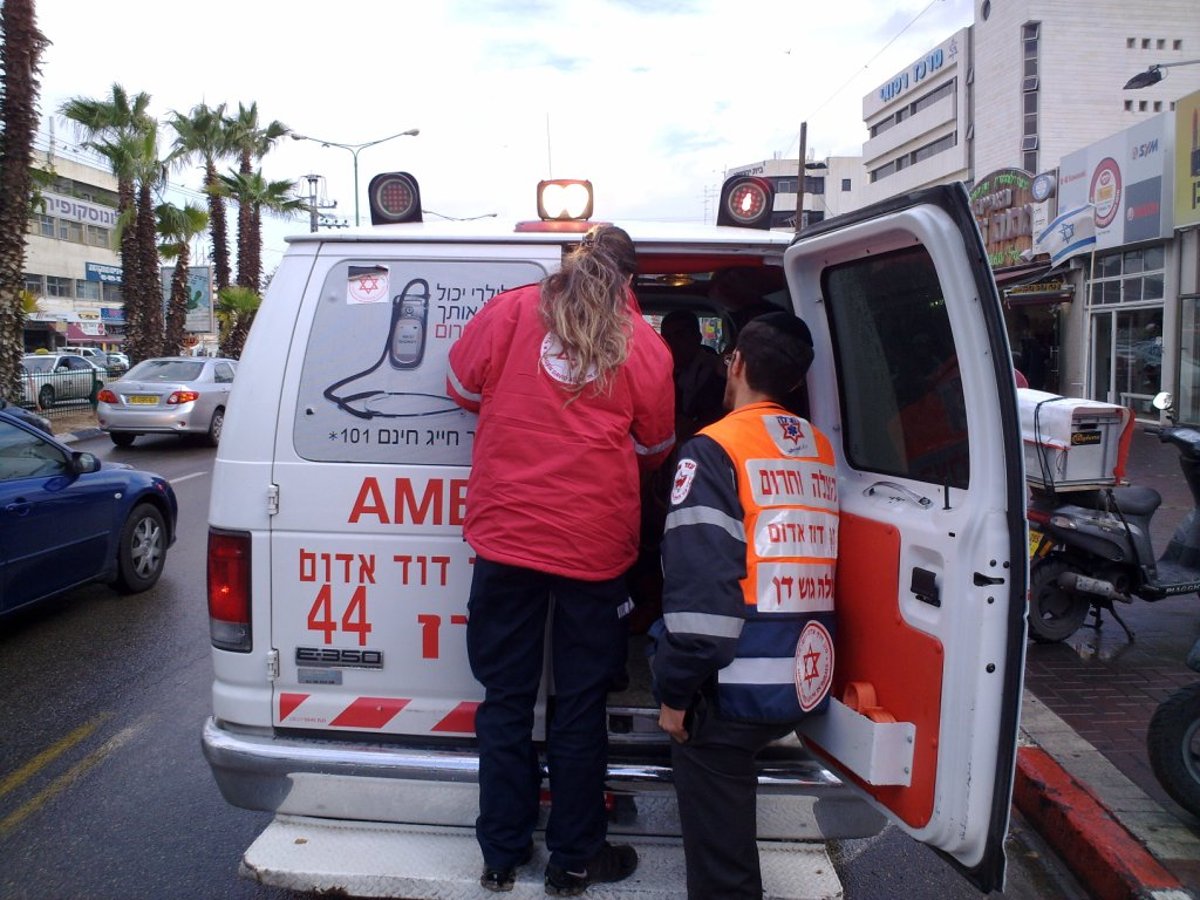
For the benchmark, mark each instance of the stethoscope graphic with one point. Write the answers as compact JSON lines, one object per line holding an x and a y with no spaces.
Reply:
{"x":404,"y":349}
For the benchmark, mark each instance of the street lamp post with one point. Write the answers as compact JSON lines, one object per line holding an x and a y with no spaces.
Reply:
{"x":1155,"y":74}
{"x":354,"y":150}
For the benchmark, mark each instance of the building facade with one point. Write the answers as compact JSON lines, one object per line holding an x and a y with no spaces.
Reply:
{"x":919,"y":122}
{"x":72,"y":268}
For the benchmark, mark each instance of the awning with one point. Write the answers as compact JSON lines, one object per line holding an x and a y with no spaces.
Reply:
{"x":1033,"y":283}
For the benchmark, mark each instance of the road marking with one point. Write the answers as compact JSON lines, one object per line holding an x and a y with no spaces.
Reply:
{"x":68,"y":778}
{"x":51,"y":753}
{"x":189,"y":477}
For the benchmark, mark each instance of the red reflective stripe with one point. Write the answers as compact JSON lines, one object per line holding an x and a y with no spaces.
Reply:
{"x":289,"y":702}
{"x":461,"y":719}
{"x":369,"y":712}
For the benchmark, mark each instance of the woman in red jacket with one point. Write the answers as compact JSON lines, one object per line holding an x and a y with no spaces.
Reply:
{"x":575,"y":396}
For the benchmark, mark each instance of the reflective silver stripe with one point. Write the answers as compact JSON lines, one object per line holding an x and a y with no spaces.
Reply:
{"x":460,"y":390}
{"x":706,"y":515}
{"x":657,"y":448}
{"x":759,"y":670}
{"x":703,"y":623}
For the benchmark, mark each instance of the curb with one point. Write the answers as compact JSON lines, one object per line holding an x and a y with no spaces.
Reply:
{"x":1115,"y":840}
{"x":1103,"y":855}
{"x":69,"y":437}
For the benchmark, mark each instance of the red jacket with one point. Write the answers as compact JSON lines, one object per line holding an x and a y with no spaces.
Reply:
{"x":554,"y":485}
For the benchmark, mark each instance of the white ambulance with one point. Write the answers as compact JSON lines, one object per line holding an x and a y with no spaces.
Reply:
{"x":338,"y":575}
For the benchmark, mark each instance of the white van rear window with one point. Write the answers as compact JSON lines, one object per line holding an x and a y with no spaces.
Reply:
{"x":373,"y":386}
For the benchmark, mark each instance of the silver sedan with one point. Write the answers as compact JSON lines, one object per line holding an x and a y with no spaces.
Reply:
{"x":170,"y":395}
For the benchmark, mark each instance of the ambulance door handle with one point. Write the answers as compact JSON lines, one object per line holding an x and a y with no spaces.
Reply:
{"x":924,"y":585}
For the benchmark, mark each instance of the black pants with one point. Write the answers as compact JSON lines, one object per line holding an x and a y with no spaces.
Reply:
{"x":505,"y":639}
{"x":716,"y":786}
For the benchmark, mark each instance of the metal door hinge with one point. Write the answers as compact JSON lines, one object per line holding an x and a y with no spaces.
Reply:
{"x":272,"y":664}
{"x":272,"y":499}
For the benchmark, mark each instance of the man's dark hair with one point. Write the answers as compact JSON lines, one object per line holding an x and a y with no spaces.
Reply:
{"x":777,"y":349}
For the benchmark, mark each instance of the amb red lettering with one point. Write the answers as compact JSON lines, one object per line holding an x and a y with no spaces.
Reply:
{"x":423,"y":569}
{"x":320,"y":566}
{"x":442,"y":502}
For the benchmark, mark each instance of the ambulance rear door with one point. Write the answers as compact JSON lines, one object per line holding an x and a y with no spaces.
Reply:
{"x":370,"y":573}
{"x":913,"y":383}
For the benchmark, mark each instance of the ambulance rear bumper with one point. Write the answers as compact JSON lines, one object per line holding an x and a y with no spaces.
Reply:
{"x":798,"y":799}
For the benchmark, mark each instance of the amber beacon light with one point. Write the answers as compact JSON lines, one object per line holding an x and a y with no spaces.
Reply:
{"x":564,"y":200}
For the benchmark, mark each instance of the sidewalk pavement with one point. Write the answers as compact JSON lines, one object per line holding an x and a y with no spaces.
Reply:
{"x":1083,"y":779}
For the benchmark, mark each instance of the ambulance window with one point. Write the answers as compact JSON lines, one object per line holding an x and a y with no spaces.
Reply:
{"x":902,"y":395}
{"x":373,"y":383}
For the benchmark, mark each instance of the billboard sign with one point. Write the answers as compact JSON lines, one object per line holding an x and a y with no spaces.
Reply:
{"x":1126,"y":179}
{"x":200,"y":298}
{"x":1187,"y":161}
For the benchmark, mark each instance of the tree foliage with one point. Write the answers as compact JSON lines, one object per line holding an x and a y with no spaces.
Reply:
{"x":20,"y":60}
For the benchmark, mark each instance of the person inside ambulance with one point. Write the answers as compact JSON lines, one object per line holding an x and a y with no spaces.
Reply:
{"x":574,"y":394}
{"x":699,"y":374}
{"x":745,"y":646}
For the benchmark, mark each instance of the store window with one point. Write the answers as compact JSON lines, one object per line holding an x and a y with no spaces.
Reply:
{"x":1126,"y":342}
{"x":1187,"y":408}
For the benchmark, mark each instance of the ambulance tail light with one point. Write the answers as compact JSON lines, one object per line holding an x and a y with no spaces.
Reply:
{"x":229,"y":590}
{"x":394,"y":197}
{"x":746,"y":202}
{"x":564,"y":200}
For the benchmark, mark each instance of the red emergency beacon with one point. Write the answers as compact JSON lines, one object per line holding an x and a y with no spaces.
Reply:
{"x":394,"y":197}
{"x":746,"y":202}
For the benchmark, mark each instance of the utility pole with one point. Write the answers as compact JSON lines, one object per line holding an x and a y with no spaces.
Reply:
{"x":800,"y":185}
{"x":314,"y":207}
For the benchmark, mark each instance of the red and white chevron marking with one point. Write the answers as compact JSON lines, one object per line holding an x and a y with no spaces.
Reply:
{"x":386,"y":714}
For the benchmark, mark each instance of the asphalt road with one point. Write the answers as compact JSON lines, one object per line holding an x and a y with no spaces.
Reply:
{"x":103,"y":789}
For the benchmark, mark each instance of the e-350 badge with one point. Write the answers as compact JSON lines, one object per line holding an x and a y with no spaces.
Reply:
{"x":334,"y":658}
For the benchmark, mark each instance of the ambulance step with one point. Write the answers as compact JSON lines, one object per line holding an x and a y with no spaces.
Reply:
{"x":362,"y":859}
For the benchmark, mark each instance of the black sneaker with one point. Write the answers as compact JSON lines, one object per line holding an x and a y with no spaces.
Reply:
{"x":614,"y":862}
{"x":501,"y":880}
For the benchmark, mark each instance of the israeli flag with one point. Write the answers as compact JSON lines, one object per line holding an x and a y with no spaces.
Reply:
{"x":1072,"y":233}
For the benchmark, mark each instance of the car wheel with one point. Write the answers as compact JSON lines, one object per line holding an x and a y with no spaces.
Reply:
{"x":46,"y":396}
{"x":142,"y":552}
{"x":121,"y":438}
{"x":215,"y":426}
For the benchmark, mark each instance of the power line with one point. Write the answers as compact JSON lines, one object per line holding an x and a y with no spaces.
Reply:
{"x":865,"y":66}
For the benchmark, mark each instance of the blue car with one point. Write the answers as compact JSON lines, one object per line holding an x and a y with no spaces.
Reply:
{"x":65,"y":520}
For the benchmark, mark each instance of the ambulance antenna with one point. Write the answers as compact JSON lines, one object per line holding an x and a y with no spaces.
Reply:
{"x":549,"y":161}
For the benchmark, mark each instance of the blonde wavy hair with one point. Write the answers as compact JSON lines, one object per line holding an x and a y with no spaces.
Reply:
{"x":585,"y":304}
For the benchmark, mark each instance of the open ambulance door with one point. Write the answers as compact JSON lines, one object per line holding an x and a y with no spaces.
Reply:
{"x":913,"y":383}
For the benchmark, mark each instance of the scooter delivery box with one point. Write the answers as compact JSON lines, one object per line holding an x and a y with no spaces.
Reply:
{"x":1073,"y":444}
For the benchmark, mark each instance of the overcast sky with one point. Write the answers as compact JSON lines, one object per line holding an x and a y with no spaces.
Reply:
{"x":650,"y":99}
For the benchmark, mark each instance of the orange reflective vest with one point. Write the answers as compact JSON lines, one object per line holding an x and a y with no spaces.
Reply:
{"x":787,"y":488}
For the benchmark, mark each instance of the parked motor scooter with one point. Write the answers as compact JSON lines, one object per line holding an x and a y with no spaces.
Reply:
{"x":1091,"y":549}
{"x":1173,"y":742}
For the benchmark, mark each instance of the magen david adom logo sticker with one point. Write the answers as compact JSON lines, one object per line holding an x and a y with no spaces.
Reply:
{"x":813,"y":665}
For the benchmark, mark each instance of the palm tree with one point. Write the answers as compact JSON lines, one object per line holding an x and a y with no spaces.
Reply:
{"x":252,"y":142}
{"x":116,"y":127}
{"x":177,"y":228}
{"x":252,"y":191}
{"x":20,"y":57}
{"x":236,"y":307}
{"x":204,"y":133}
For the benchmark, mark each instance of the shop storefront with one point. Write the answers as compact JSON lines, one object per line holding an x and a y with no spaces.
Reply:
{"x":1123,"y":185}
{"x":1011,"y":206}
